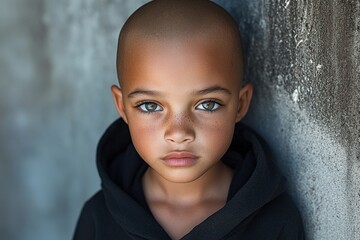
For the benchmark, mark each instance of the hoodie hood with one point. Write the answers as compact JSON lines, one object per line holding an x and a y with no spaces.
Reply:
{"x":255,"y":183}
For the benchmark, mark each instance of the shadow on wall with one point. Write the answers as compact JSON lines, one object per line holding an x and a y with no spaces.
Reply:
{"x":303,"y":59}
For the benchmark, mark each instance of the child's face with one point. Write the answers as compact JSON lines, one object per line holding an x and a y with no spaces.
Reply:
{"x":181,"y":100}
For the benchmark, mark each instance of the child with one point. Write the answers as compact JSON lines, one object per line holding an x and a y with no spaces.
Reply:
{"x":178,"y":164}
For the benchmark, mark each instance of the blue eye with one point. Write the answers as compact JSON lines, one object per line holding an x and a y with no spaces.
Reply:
{"x":208,"y":106}
{"x":149,"y":107}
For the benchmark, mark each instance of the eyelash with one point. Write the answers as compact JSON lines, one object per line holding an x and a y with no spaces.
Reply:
{"x":210,"y":101}
{"x":217,"y":104}
{"x":139,"y":107}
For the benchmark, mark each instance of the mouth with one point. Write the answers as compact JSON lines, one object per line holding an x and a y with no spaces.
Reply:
{"x":180,"y":159}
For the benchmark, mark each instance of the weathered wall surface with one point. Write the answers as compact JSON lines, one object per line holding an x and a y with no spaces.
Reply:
{"x":303,"y":58}
{"x":57,"y":64}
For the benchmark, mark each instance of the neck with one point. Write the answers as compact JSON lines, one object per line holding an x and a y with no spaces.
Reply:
{"x":211,"y":186}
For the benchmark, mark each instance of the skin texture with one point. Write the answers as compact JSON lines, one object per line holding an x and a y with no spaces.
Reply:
{"x":181,"y":96}
{"x":173,"y":19}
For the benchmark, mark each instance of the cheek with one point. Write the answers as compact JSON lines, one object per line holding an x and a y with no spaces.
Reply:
{"x":217,"y":135}
{"x":144,"y":135}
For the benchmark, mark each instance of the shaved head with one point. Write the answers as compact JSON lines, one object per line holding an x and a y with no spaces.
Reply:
{"x":179,"y":20}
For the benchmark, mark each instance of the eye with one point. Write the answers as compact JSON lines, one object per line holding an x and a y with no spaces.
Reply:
{"x":149,"y":107}
{"x":208,"y":106}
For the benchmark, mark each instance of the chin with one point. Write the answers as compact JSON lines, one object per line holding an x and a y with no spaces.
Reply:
{"x":181,"y":176}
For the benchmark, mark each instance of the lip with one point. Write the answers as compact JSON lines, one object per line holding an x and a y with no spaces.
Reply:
{"x":180,"y":159}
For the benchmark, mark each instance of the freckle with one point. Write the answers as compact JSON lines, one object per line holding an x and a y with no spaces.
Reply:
{"x":188,"y":118}
{"x":215,"y":125}
{"x":183,"y":118}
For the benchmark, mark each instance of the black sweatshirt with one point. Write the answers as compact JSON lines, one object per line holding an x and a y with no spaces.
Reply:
{"x":256,"y":208}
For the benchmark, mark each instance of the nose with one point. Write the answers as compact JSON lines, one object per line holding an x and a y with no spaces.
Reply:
{"x":179,"y":129}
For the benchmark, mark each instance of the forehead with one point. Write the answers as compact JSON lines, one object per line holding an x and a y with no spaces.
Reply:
{"x":196,"y":57}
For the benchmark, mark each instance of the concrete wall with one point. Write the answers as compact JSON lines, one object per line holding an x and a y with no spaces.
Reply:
{"x":57,"y":64}
{"x":304,"y":60}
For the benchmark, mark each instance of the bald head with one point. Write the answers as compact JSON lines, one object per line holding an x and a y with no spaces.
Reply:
{"x":167,"y":20}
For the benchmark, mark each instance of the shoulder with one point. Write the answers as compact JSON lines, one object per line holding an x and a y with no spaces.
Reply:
{"x":278,"y":219}
{"x":95,"y":220}
{"x":282,"y":214}
{"x":95,"y":200}
{"x":85,"y":227}
{"x":95,"y":208}
{"x":293,"y":227}
{"x":282,"y":206}
{"x":92,"y":205}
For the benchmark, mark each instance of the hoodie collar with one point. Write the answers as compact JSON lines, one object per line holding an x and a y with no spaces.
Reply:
{"x":255,"y":183}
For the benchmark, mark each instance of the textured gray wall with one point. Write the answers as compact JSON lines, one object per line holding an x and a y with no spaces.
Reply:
{"x":304,"y":60}
{"x":57,"y":64}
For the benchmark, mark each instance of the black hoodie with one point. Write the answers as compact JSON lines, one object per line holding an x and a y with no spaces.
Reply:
{"x":256,"y":208}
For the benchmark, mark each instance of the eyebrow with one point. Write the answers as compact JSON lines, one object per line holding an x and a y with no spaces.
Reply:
{"x":212,"y":89}
{"x":140,"y":91}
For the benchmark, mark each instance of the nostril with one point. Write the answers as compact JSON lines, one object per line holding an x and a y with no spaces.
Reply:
{"x":171,"y":140}
{"x":179,"y":135}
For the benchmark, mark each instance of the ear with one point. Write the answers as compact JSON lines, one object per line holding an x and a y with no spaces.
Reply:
{"x":119,"y":102}
{"x":245,"y":96}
